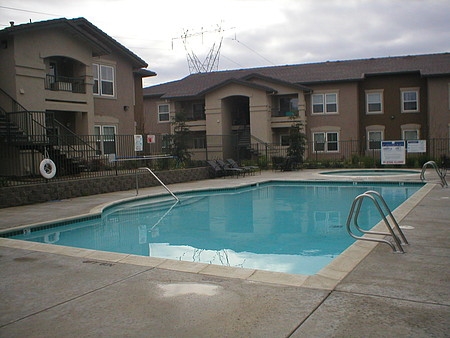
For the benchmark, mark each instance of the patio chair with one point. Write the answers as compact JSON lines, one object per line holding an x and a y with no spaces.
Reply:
{"x":215,"y":168}
{"x":229,"y":171}
{"x":251,"y":169}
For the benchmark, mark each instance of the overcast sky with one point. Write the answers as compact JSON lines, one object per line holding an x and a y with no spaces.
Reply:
{"x":254,"y":33}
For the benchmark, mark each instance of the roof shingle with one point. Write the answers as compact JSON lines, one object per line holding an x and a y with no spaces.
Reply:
{"x":427,"y":65}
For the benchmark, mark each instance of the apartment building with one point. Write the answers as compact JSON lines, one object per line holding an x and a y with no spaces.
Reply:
{"x":366,"y":100}
{"x":66,"y":78}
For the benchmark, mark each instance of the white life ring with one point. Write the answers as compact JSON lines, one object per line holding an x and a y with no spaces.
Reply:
{"x":47,"y":168}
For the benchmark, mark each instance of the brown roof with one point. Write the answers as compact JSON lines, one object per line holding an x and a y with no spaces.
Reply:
{"x":307,"y":74}
{"x":101,"y":42}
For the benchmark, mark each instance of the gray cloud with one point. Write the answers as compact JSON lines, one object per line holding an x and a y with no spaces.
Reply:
{"x":291,"y":31}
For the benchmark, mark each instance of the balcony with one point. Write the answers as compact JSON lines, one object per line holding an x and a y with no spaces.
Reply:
{"x":65,"y":84}
{"x":283,"y":119}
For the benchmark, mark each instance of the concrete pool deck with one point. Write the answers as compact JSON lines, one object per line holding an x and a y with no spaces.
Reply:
{"x":48,"y":290}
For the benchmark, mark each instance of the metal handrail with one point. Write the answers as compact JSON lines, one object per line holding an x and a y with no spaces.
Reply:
{"x":441,"y":172}
{"x":354,"y":213}
{"x":157,"y":178}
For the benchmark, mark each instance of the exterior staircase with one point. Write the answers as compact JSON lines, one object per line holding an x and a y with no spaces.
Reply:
{"x":20,"y":129}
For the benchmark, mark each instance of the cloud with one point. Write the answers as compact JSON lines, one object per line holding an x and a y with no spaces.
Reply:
{"x":256,"y":32}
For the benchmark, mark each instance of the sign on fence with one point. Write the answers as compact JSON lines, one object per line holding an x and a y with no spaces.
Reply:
{"x":393,"y":152}
{"x":151,"y":138}
{"x":417,"y":146}
{"x":138,"y":143}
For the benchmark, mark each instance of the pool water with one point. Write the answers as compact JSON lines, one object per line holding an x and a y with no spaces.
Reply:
{"x":277,"y":226}
{"x":371,"y":172}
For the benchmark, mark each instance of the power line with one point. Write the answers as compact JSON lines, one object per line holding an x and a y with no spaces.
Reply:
{"x":254,"y":51}
{"x":28,"y":11}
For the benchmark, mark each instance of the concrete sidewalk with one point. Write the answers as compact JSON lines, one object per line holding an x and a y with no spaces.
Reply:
{"x":46,"y":292}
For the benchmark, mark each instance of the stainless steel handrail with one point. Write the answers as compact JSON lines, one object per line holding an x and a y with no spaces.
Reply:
{"x":157,"y":178}
{"x":441,"y":172}
{"x":354,"y":213}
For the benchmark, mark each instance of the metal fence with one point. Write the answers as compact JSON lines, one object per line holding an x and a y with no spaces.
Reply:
{"x":78,"y":156}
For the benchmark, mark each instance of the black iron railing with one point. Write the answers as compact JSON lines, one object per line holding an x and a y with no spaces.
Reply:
{"x":65,"y":84}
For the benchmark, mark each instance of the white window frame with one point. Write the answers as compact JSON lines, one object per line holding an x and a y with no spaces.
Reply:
{"x":374,"y":129}
{"x":325,"y":101}
{"x":163,"y":113}
{"x":410,"y":128}
{"x":381,"y":132}
{"x":405,"y":91}
{"x":416,"y":131}
{"x":327,"y":142}
{"x":102,"y":137}
{"x":369,"y":94}
{"x":99,"y":79}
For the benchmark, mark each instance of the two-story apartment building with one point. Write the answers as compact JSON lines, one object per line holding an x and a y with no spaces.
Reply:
{"x":66,"y":77}
{"x":365,"y":100}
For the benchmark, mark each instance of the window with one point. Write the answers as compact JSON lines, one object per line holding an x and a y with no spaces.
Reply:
{"x":327,"y":142}
{"x":374,"y":102}
{"x":284,"y":140}
{"x":198,"y":111}
{"x":410,"y":134}
{"x":324,"y":103}
{"x":103,"y":80}
{"x":163,"y":113}
{"x":105,"y":139}
{"x":374,"y":139}
{"x":199,"y":142}
{"x":410,"y":101}
{"x":288,"y":106}
{"x":95,"y":76}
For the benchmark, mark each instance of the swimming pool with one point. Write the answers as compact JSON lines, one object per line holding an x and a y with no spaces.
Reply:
{"x":371,"y":172}
{"x":277,"y":226}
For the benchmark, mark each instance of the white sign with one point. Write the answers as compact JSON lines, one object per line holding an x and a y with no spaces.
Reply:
{"x":151,"y":138}
{"x":393,"y":152}
{"x":138,"y":143}
{"x":417,"y":146}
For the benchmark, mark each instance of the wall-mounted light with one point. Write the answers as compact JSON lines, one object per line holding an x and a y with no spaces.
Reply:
{"x":126,"y":108}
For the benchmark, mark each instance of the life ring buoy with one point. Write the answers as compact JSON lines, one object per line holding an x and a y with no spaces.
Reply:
{"x":47,"y":168}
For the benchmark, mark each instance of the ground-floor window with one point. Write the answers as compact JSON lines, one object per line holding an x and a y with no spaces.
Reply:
{"x":326,"y":141}
{"x":374,"y":139}
{"x":105,"y":140}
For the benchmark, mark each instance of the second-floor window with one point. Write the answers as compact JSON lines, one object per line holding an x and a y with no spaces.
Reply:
{"x":163,"y":113}
{"x":410,"y":101}
{"x":324,"y":103}
{"x":374,"y":102}
{"x":198,"y":111}
{"x":103,"y":80}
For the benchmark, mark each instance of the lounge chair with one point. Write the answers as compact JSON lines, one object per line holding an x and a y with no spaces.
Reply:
{"x":250,"y":169}
{"x":216,"y":169}
{"x":229,"y":170}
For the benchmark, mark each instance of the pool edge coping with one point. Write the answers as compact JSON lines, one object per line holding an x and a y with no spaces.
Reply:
{"x":326,"y":279}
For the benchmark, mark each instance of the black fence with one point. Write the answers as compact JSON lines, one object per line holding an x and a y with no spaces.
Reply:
{"x":78,"y":156}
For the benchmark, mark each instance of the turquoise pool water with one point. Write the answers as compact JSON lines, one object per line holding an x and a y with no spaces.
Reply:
{"x":277,"y":226}
{"x":372,"y":172}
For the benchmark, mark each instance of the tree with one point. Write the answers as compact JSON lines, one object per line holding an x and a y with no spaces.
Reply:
{"x":297,"y":142}
{"x":179,"y":139}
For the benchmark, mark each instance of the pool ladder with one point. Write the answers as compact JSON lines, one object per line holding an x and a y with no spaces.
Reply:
{"x":157,"y":178}
{"x":441,"y":172}
{"x":395,"y":232}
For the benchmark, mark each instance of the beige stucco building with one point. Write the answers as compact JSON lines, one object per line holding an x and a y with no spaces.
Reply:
{"x":65,"y":79}
{"x":346,"y":106}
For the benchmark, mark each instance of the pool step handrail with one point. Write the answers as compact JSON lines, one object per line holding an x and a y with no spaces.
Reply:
{"x":441,"y":172}
{"x":395,"y":232}
{"x":157,"y":178}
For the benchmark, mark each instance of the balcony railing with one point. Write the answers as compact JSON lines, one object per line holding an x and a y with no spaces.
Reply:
{"x":65,"y":84}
